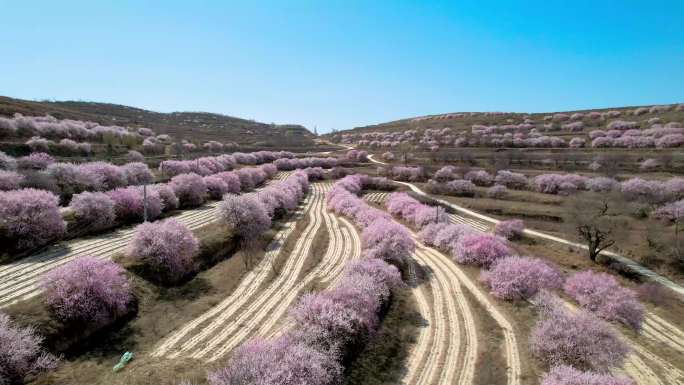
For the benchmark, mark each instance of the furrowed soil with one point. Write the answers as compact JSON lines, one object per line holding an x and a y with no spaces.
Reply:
{"x":382,"y":361}
{"x":160,"y":311}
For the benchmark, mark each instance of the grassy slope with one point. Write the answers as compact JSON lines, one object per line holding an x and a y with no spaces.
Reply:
{"x":187,"y":125}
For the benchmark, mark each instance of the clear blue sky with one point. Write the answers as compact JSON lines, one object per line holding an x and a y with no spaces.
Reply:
{"x":340,"y":64}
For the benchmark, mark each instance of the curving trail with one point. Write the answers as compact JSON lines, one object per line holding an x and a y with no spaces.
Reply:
{"x":446,"y":349}
{"x":261,"y":311}
{"x":446,"y":271}
{"x":247,"y":287}
{"x":20,"y":280}
{"x":221,"y":327}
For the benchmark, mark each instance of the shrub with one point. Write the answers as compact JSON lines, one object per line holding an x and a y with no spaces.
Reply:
{"x":168,"y":198}
{"x":129,"y":203}
{"x":577,"y":142}
{"x":649,"y":164}
{"x":402,"y":205}
{"x":578,"y":339}
{"x":245,"y":216}
{"x":30,"y":217}
{"x":674,"y":188}
{"x":511,"y":179}
{"x":7,"y":162}
{"x":497,"y":191}
{"x":216,"y":186}
{"x":135,"y":156}
{"x":71,"y":179}
{"x":280,"y":361}
{"x":602,"y":294}
{"x":445,"y":174}
{"x":511,"y":229}
{"x":602,"y":184}
{"x":387,"y":240}
{"x":461,"y":187}
{"x":480,"y":249}
{"x":232,"y":181}
{"x":670,"y":140}
{"x":520,"y":278}
{"x":10,"y":180}
{"x":189,"y":188}
{"x":137,"y":173}
{"x":567,"y":375}
{"x":37,"y":143}
{"x":88,"y":291}
{"x":335,"y":319}
{"x":166,"y":247}
{"x":93,"y":210}
{"x":35,"y":161}
{"x":558,"y":183}
{"x":425,"y":215}
{"x":388,"y":156}
{"x":21,"y":355}
{"x":109,"y":175}
{"x":448,"y":236}
{"x":428,"y":234}
{"x":479,"y":178}
{"x":637,"y":189}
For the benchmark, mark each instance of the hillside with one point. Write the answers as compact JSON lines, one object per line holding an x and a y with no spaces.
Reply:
{"x":180,"y":125}
{"x":464,"y":120}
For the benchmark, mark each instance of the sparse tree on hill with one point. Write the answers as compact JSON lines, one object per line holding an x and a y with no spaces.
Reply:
{"x":593,"y":220}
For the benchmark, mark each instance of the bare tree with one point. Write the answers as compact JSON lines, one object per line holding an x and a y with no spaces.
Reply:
{"x":595,"y":220}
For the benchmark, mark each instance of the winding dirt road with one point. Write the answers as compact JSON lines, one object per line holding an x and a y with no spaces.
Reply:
{"x":446,"y":349}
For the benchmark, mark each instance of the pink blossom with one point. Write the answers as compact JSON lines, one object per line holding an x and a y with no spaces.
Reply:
{"x":190,"y":189}
{"x":21,"y":355}
{"x":245,"y":215}
{"x":511,"y":229}
{"x":87,"y":290}
{"x":480,"y":249}
{"x":10,"y":180}
{"x":601,"y":294}
{"x":93,"y":210}
{"x":520,"y":278}
{"x":31,"y":217}
{"x":166,"y":247}
{"x":578,"y":339}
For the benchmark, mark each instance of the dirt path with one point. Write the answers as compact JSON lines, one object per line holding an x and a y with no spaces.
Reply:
{"x":636,"y":267}
{"x":446,"y":349}
{"x":20,"y":280}
{"x":489,"y":221}
{"x":261,"y":312}
{"x":245,"y":290}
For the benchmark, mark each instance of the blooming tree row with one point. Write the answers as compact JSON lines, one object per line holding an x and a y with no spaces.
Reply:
{"x":574,"y":345}
{"x":327,"y":327}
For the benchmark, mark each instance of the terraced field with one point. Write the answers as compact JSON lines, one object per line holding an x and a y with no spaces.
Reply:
{"x":258,"y":307}
{"x":20,"y":280}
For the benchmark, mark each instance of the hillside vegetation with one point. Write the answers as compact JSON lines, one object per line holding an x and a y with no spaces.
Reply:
{"x":180,"y":125}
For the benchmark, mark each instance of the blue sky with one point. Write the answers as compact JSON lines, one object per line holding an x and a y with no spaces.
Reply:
{"x":340,"y":64}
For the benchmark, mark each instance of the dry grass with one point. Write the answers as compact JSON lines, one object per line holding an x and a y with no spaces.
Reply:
{"x":382,"y":360}
{"x":160,"y":311}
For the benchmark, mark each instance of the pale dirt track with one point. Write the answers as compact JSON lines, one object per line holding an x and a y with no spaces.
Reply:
{"x":20,"y":280}
{"x":260,"y":311}
{"x":446,"y":349}
{"x":451,"y":277}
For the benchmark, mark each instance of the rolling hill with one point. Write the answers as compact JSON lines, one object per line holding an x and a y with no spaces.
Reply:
{"x":180,"y":125}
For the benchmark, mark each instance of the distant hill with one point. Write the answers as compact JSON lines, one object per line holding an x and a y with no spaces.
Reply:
{"x":180,"y":125}
{"x":464,"y":120}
